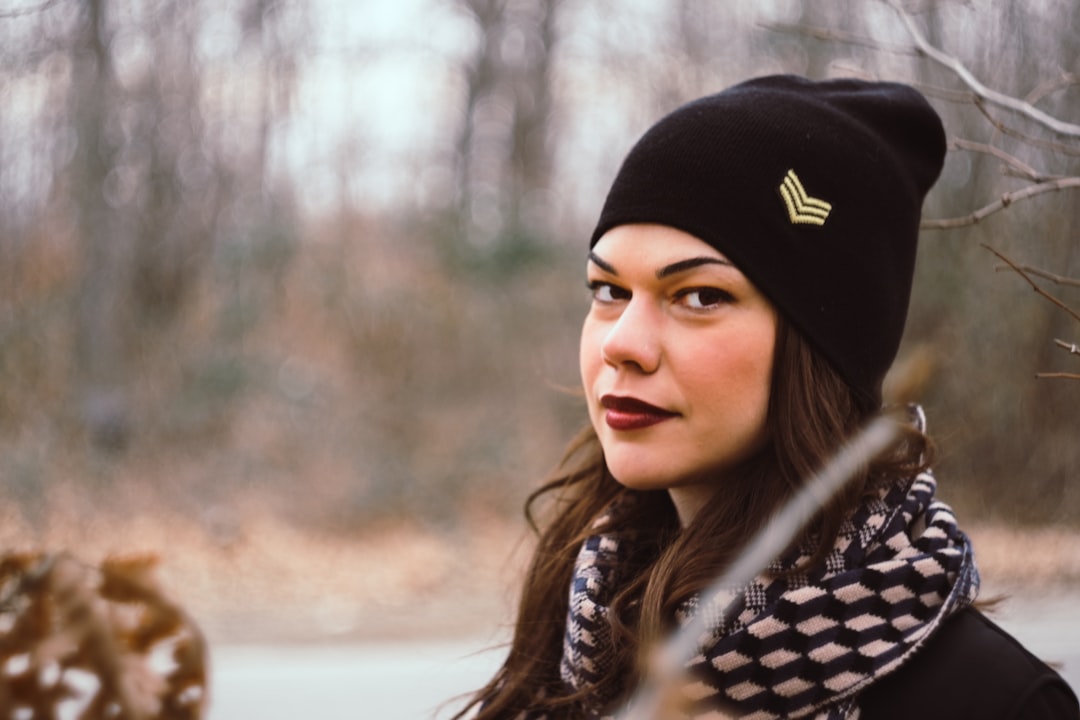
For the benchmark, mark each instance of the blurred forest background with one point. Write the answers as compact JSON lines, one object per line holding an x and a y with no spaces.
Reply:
{"x":275,"y":274}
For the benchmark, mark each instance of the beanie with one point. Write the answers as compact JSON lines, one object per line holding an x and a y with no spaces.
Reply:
{"x":813,"y":190}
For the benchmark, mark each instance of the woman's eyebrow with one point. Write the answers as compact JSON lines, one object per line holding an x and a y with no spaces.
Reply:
{"x":602,"y":263}
{"x":689,"y":264}
{"x":672,"y":269}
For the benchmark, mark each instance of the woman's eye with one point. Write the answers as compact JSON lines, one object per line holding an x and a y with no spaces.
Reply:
{"x":704,"y":298}
{"x":606,"y":292}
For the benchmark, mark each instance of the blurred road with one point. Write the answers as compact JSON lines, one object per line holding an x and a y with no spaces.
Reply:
{"x":400,"y":681}
{"x":409,"y":681}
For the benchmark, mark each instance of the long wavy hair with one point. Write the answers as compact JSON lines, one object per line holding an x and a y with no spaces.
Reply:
{"x":812,"y":411}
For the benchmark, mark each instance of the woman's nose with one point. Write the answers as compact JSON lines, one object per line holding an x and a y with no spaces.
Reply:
{"x":634,"y":339}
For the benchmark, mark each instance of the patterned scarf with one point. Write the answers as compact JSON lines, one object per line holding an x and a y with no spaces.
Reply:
{"x":802,"y":645}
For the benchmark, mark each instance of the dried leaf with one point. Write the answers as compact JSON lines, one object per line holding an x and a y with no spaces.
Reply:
{"x":60,"y":618}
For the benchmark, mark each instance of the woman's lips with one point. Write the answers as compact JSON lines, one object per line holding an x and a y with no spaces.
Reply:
{"x":628,"y":413}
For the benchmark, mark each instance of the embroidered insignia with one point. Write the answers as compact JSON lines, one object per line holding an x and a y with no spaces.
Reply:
{"x":802,"y":209}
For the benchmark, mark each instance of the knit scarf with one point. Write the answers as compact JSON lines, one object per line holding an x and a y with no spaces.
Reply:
{"x":800,"y":645}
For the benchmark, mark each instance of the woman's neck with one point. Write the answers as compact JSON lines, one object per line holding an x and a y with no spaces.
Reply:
{"x":689,"y":499}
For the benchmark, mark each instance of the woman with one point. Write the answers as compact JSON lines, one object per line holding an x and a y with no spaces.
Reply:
{"x":750,"y":275}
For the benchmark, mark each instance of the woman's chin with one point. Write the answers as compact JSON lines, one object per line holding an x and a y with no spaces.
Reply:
{"x":637,"y":477}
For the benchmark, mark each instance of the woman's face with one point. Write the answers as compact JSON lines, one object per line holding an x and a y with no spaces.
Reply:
{"x":676,"y":359}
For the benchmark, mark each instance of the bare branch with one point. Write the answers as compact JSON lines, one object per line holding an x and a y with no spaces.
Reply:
{"x":1048,"y":87}
{"x":1012,"y":161}
{"x":831,"y":35}
{"x":979,"y":94}
{"x":1013,"y":172}
{"x":1000,"y":99}
{"x":1003,"y":202}
{"x":1024,"y":137}
{"x":1034,"y":286}
{"x":955,"y":96}
{"x":1058,"y":375}
{"x":1071,"y":347}
{"x":1052,"y":277}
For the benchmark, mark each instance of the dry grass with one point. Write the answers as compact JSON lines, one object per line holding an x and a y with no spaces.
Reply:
{"x":264,"y":579}
{"x":1013,"y":559}
{"x":256,"y":577}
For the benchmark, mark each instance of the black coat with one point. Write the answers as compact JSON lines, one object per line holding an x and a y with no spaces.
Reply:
{"x":971,"y":669}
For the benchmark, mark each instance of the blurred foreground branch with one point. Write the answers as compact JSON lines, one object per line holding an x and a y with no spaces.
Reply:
{"x":659,"y":696}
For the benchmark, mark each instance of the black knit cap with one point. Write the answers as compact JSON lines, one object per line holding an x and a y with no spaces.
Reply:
{"x":813,"y":189}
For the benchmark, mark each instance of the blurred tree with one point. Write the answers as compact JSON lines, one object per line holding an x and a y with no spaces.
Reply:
{"x":183,"y":193}
{"x":149,"y":234}
{"x":502,"y":158}
{"x":159,"y":180}
{"x":106,"y":183}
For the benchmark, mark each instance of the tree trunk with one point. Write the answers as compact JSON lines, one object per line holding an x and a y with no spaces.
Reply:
{"x":102,"y":190}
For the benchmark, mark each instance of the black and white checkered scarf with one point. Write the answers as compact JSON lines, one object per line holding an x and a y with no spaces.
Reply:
{"x":803,"y":645}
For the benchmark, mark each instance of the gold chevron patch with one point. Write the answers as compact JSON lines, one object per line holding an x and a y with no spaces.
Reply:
{"x":802,"y":209}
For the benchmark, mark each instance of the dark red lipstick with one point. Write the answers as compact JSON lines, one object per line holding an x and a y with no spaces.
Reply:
{"x":628,"y":413}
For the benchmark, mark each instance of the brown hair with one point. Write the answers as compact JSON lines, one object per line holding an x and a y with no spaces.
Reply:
{"x":811,"y":411}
